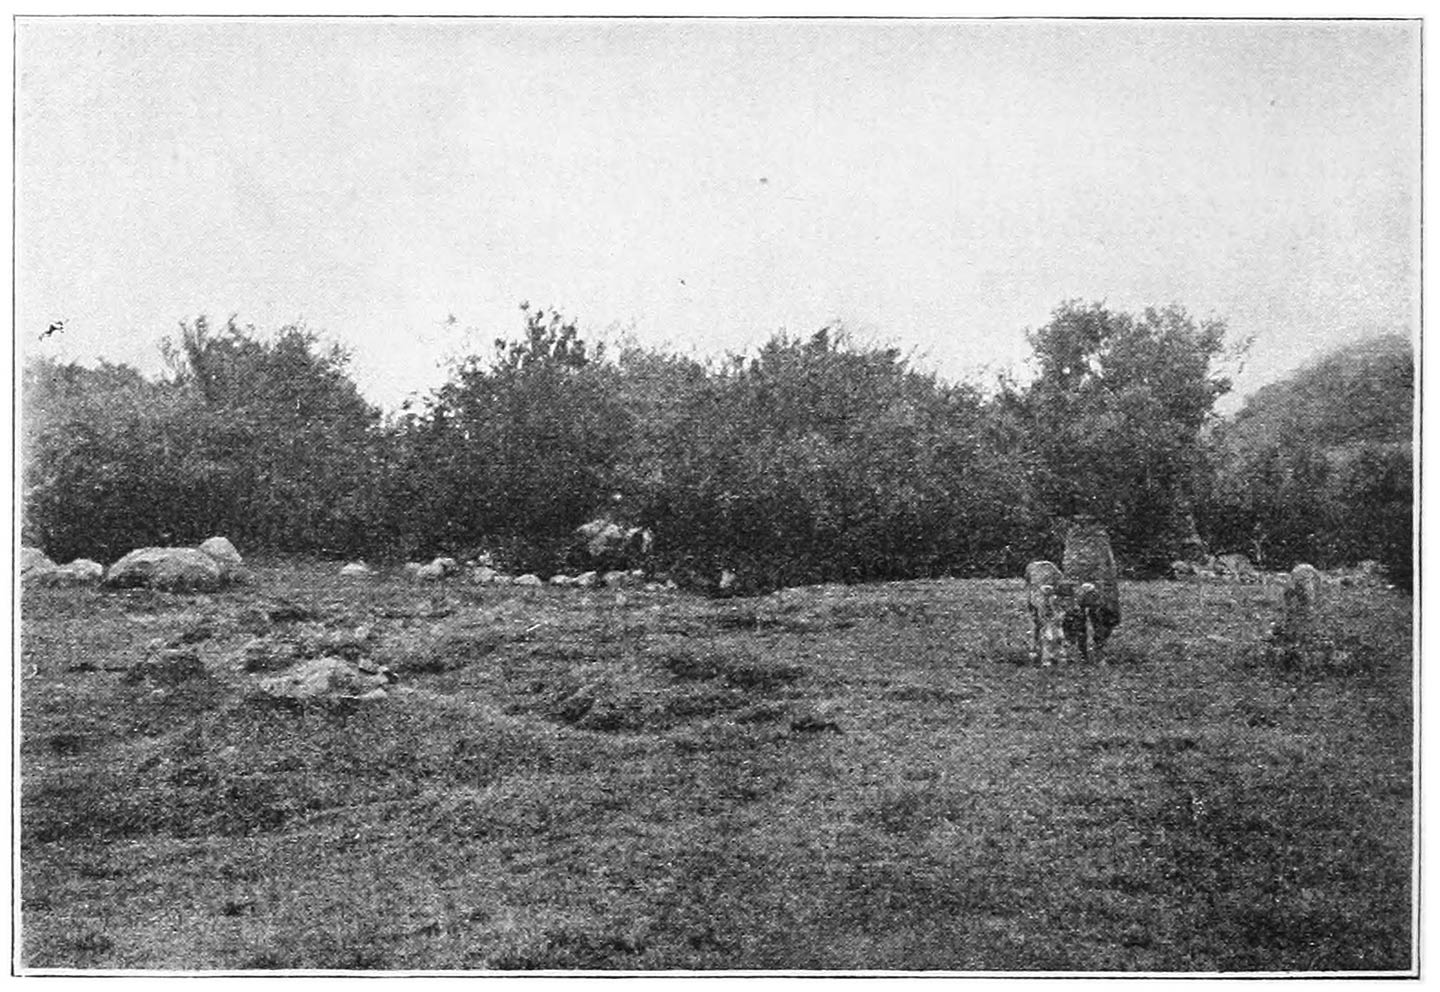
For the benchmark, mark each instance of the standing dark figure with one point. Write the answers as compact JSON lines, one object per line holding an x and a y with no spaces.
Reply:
{"x":1089,"y":560}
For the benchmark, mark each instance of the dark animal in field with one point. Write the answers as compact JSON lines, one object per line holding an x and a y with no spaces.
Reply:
{"x":1089,"y":560}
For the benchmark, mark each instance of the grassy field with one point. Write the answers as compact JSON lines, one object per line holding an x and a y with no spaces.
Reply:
{"x":867,"y":777}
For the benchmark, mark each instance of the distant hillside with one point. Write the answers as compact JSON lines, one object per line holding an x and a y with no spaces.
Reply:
{"x":1364,"y":392}
{"x":1318,"y":467}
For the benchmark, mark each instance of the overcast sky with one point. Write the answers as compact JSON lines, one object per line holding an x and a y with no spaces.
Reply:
{"x":940,"y":185}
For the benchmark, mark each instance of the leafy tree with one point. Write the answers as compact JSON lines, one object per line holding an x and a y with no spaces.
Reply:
{"x":267,"y":442}
{"x":817,"y":459}
{"x":519,"y":447}
{"x":97,"y":445}
{"x":297,"y":439}
{"x":1115,"y":417}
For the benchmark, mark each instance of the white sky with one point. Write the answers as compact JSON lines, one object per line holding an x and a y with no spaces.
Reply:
{"x":941,"y":185}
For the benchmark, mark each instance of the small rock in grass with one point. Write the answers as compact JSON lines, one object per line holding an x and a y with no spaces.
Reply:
{"x":322,"y":678}
{"x":170,"y":666}
{"x":222,"y":551}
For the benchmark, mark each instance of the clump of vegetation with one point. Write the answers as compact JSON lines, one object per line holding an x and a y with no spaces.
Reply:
{"x":814,"y":459}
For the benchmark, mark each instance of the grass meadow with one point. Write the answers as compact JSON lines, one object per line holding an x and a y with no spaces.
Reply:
{"x":837,"y":777}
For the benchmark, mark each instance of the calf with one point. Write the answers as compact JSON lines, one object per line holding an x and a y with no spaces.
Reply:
{"x":1043,"y":581}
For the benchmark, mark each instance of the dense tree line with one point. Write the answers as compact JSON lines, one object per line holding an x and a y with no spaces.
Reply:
{"x":1319,"y":466}
{"x":815,"y":458}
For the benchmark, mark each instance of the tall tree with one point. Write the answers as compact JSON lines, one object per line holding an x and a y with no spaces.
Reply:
{"x":1115,"y":416}
{"x":519,"y":445}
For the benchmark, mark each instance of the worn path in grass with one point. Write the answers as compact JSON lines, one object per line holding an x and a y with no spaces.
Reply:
{"x":867,"y":777}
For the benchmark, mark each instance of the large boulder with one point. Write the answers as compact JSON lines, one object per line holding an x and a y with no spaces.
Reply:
{"x":327,"y":678}
{"x":169,"y":569}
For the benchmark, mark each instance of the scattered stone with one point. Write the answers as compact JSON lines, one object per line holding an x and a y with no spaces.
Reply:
{"x":528,"y":579}
{"x":370,"y":667}
{"x":222,"y":551}
{"x":562,"y":580}
{"x":1236,"y":567}
{"x":357,"y":570}
{"x":321,"y":679}
{"x":170,"y":666}
{"x":432,"y":572}
{"x":263,"y":655}
{"x":607,"y":543}
{"x":587,"y":580}
{"x":349,"y":644}
{"x":448,"y":566}
{"x":169,"y":569}
{"x":621,"y":579}
{"x":412,"y":567}
{"x":728,"y":579}
{"x":34,"y":558}
{"x":483,"y":575}
{"x":283,"y":611}
{"x":1366,"y":574}
{"x":80,"y":572}
{"x":815,"y":721}
{"x":573,"y":707}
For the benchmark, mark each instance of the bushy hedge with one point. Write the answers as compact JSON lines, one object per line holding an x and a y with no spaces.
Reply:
{"x":814,"y":459}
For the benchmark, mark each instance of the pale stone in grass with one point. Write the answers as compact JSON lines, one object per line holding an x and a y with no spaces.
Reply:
{"x":170,"y":569}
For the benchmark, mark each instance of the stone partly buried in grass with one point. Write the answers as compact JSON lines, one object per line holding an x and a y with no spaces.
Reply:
{"x":168,"y":666}
{"x":329,"y":678}
{"x":80,"y":572}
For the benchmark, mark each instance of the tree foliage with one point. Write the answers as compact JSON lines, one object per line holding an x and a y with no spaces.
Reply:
{"x":1115,"y":417}
{"x":814,"y":458}
{"x":517,"y":448}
